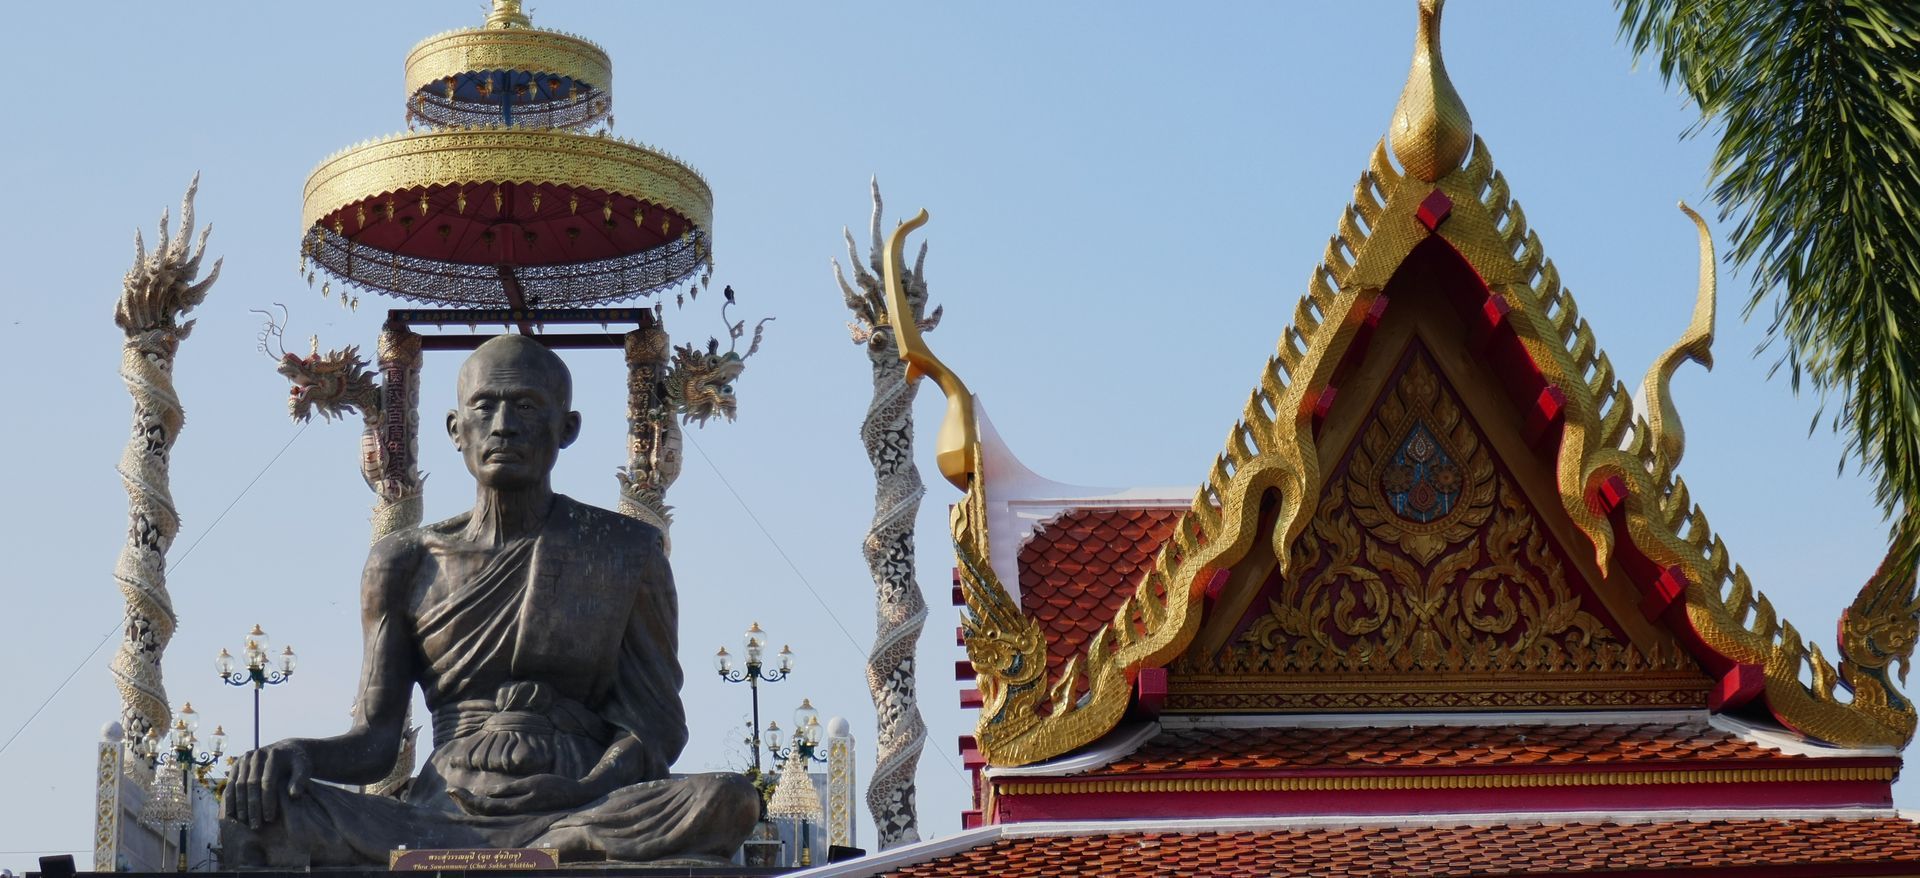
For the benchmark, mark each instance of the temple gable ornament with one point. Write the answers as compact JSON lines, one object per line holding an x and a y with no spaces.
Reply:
{"x":1446,"y":215}
{"x":1425,"y":579}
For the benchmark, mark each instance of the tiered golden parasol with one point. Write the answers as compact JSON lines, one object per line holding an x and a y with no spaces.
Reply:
{"x":508,"y":191}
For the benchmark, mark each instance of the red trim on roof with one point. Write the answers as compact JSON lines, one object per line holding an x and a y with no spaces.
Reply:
{"x":1757,"y":848}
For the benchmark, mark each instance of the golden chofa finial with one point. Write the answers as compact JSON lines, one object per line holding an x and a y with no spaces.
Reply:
{"x":1667,"y":439}
{"x":507,"y":13}
{"x":957,"y":445}
{"x":1431,"y":129}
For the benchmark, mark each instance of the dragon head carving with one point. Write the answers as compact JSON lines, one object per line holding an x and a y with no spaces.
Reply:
{"x":700,"y":382}
{"x":334,"y":384}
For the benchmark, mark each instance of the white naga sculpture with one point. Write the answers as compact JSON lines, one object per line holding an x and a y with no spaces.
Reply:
{"x":899,"y":608}
{"x":158,"y":291}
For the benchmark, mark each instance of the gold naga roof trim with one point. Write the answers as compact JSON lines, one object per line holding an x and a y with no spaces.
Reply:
{"x":1614,"y":471}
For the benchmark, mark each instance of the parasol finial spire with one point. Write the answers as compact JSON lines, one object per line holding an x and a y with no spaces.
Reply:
{"x":1431,"y":129}
{"x":507,"y":13}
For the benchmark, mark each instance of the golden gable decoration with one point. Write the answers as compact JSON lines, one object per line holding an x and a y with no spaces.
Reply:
{"x":1497,"y":600}
{"x":1619,"y":493}
{"x":1424,"y":564}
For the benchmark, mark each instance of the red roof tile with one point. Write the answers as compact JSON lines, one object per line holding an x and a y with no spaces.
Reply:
{"x":1216,"y":749}
{"x":1077,"y":569}
{"x":1434,"y":851}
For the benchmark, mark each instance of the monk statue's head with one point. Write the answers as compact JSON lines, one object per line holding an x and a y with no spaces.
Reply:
{"x":515,"y":412}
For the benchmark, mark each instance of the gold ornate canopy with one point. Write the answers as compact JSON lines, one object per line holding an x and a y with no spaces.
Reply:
{"x":1442,"y":218}
{"x":559,"y":79}
{"x":504,"y":199}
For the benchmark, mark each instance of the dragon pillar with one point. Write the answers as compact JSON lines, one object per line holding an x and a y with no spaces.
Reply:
{"x":693,"y":385}
{"x":157,"y":292}
{"x":653,"y":437}
{"x":338,"y":383}
{"x":394,"y":453}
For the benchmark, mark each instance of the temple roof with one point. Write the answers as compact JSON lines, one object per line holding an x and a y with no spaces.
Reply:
{"x":1078,"y":567}
{"x":1654,"y":844}
{"x":1523,"y":761}
{"x":1633,"y":594}
{"x":1441,"y":606}
{"x":1665,"y":740}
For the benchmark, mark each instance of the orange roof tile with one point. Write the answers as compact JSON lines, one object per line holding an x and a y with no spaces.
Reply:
{"x":1077,"y":569}
{"x":1217,"y":749}
{"x":1431,"y":851}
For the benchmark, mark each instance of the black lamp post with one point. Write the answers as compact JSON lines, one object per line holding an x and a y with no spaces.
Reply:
{"x":806,"y":735}
{"x":260,"y":670}
{"x":180,"y":753}
{"x":753,"y":674}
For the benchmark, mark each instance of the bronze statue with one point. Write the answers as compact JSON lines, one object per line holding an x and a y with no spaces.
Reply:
{"x":543,"y":632}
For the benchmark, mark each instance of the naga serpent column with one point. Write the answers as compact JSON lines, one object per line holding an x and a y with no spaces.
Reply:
{"x":900,"y":609}
{"x":158,"y":290}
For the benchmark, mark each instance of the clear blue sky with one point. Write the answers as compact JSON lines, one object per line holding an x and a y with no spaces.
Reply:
{"x":1127,"y":201}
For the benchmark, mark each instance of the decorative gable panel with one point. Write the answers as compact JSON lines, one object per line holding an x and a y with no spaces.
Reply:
{"x":1426,"y":579}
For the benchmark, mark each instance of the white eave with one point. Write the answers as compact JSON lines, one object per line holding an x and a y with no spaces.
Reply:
{"x":1099,"y":754}
{"x":1795,"y":745}
{"x":1020,"y":500}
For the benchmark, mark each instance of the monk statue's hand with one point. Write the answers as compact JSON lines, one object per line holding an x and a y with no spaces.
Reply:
{"x":258,"y":779}
{"x":527,"y":795}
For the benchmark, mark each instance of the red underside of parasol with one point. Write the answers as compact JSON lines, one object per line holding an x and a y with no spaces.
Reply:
{"x":571,"y":225}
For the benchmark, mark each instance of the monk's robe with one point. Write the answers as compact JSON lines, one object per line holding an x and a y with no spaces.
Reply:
{"x":529,"y":670}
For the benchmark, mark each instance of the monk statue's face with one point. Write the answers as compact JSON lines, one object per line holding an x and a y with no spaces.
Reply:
{"x":514,"y":415}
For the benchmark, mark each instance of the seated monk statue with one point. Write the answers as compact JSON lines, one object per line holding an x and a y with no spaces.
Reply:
{"x":543,"y":633}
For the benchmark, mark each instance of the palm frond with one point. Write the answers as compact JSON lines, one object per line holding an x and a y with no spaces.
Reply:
{"x":1818,"y":166}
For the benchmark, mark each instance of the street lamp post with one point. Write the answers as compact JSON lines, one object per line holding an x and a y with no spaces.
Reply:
{"x":260,"y":670}
{"x":806,"y":735}
{"x":753,"y":674}
{"x":180,"y":755}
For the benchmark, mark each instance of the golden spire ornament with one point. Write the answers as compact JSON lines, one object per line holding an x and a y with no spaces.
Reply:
{"x":507,"y":13}
{"x":1431,"y":130}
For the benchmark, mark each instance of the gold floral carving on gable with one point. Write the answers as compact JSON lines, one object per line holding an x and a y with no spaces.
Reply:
{"x":1420,"y":446}
{"x":1424,"y":557}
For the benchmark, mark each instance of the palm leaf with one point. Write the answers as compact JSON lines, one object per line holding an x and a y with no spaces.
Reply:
{"x":1818,"y":166}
